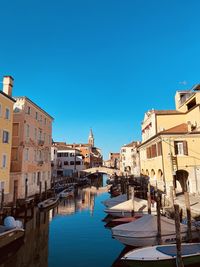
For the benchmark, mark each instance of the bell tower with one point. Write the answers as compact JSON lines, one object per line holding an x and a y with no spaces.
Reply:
{"x":91,"y":138}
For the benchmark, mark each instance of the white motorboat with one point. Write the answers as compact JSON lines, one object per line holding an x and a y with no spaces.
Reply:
{"x":143,"y":232}
{"x":163,"y":255}
{"x":125,"y":209}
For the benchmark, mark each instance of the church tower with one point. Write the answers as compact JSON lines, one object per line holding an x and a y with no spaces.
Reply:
{"x":91,"y":138}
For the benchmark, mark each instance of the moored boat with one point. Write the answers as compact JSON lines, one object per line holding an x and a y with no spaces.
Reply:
{"x":115,"y":200}
{"x":163,"y":255}
{"x":48,"y":203}
{"x":125,"y":209}
{"x":143,"y":232}
{"x":67,"y":192}
{"x":122,"y":220}
{"x":11,"y":230}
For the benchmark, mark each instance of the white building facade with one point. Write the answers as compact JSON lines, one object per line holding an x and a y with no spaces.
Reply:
{"x":129,"y":159}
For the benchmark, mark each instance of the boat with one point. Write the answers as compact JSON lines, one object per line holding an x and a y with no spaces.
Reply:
{"x":125,"y":209}
{"x":110,"y":202}
{"x":48,"y":203}
{"x":122,"y":220}
{"x":67,"y":192}
{"x":143,"y":232}
{"x":11,"y":230}
{"x":163,"y":255}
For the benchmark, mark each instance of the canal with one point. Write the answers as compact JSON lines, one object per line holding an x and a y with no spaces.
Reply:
{"x":73,"y":234}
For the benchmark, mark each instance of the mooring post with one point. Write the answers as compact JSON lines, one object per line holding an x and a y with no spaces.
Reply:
{"x":26,"y":188}
{"x":189,"y":219}
{"x":171,"y":196}
{"x":40,"y":190}
{"x":14,"y":195}
{"x":158,"y":207}
{"x":2,"y":199}
{"x":133,"y":199}
{"x":127,"y":189}
{"x":179,"y":261}
{"x":149,"y":198}
{"x":45,"y":185}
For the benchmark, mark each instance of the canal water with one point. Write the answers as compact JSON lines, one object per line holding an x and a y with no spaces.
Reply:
{"x":73,"y":234}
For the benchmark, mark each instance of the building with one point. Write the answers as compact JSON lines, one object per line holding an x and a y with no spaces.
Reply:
{"x":170,"y":139}
{"x":31,"y":148}
{"x":6,"y":120}
{"x":92,"y":155}
{"x":129,"y":159}
{"x":114,"y":160}
{"x":66,"y":161}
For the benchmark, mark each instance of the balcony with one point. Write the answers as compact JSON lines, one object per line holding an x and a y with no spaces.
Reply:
{"x":40,"y":142}
{"x":40,"y":162}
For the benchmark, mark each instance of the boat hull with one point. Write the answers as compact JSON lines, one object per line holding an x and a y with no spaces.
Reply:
{"x":164,"y":263}
{"x":136,"y":241}
{"x":10,"y":236}
{"x":48,"y":204}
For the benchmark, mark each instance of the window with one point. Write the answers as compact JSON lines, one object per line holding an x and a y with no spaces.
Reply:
{"x":40,"y":134}
{"x":7,"y":115}
{"x":26,"y":154}
{"x":180,"y":148}
{"x":15,"y":129}
{"x":71,"y":162}
{"x":36,"y":115}
{"x":4,"y":159}
{"x":191,"y":104}
{"x":27,"y":130}
{"x":35,"y":134}
{"x":65,"y":162}
{"x":159,"y":149}
{"x":28,"y":110}
{"x":34,"y":178}
{"x":153,"y":151}
{"x":0,"y":110}
{"x":78,"y":163}
{"x":71,"y":154}
{"x":35,"y":155}
{"x":5,"y":137}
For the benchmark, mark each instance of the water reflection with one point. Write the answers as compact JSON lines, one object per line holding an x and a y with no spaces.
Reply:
{"x":31,"y":251}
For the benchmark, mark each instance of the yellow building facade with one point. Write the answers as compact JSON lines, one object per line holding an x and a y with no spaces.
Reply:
{"x":6,"y":120}
{"x":169,"y":153}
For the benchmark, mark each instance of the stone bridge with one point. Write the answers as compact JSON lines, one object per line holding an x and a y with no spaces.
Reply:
{"x":105,"y":170}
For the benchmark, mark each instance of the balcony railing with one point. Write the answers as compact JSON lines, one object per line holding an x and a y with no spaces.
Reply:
{"x":40,"y":142}
{"x":40,"y":162}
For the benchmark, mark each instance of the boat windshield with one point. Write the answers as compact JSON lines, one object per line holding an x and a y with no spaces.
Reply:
{"x":186,"y":249}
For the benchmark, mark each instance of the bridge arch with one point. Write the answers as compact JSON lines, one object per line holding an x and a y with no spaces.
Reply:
{"x":105,"y":170}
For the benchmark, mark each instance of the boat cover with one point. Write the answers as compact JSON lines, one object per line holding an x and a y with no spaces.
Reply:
{"x":186,"y":249}
{"x":140,"y":205}
{"x":115,"y":200}
{"x":146,"y":226}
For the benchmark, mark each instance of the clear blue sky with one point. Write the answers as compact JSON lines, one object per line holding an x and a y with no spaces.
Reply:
{"x":100,"y":63}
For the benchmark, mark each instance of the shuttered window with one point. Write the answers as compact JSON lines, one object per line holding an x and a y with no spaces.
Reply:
{"x":180,"y":148}
{"x":159,"y":149}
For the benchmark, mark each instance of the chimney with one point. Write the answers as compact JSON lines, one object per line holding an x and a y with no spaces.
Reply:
{"x":8,"y":85}
{"x":189,"y":124}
